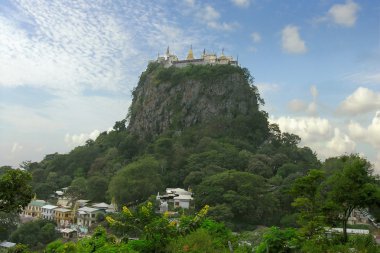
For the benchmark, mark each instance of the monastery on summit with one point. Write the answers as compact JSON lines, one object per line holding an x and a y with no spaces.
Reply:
{"x":172,"y":60}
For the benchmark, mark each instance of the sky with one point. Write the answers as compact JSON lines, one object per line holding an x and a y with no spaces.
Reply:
{"x":67,"y":68}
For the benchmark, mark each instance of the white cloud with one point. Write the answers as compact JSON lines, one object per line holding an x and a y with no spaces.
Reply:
{"x":308,"y":128}
{"x":363,"y":100}
{"x":297,"y":105}
{"x":61,"y":51}
{"x":241,"y":3}
{"x":366,"y":78}
{"x":369,"y":134}
{"x":377,"y":164}
{"x":340,"y":144}
{"x":291,"y":40}
{"x":41,"y":129}
{"x":210,"y":16}
{"x":81,"y":45}
{"x":80,"y":139}
{"x":16,"y":147}
{"x":267,"y":87}
{"x":210,"y":13}
{"x":344,"y":14}
{"x":256,"y":37}
{"x":318,"y":134}
{"x":312,"y":108}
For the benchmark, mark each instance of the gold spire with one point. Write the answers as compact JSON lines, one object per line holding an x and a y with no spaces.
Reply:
{"x":190,"y":55}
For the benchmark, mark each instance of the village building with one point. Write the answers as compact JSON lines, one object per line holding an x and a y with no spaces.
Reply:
{"x":359,"y":216}
{"x":64,"y":202}
{"x":82,"y":202}
{"x":178,"y":196}
{"x":101,"y":206}
{"x":47,"y":212}
{"x":86,"y":216}
{"x":34,"y":208}
{"x":69,"y":233}
{"x":63,"y":217}
{"x":169,"y":59}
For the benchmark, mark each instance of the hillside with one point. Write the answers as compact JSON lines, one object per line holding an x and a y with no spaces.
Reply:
{"x":177,"y":98}
{"x":199,"y":127}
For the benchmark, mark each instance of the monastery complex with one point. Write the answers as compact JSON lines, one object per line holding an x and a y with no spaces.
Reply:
{"x":169,"y":59}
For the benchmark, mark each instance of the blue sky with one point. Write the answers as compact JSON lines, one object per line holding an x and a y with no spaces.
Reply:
{"x":67,"y":67}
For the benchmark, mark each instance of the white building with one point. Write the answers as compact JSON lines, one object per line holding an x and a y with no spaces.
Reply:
{"x":182,"y":201}
{"x":86,"y":216}
{"x":48,"y":212}
{"x":180,"y":197}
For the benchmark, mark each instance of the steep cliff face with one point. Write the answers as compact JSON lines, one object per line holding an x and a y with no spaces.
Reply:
{"x":176,"y":98}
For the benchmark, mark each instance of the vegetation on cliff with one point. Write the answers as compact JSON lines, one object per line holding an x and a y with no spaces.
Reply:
{"x":201,"y":127}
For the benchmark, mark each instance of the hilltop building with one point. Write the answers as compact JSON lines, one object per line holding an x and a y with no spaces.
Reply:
{"x":169,"y":59}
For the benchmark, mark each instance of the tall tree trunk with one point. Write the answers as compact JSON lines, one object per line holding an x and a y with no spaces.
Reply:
{"x":345,"y":238}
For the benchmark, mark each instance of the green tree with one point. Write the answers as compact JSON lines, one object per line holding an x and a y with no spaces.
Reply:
{"x":35,"y":233}
{"x":352,"y":187}
{"x":309,"y":202}
{"x":241,"y":191}
{"x":8,"y":223}
{"x":97,"y":187}
{"x":136,"y":182}
{"x":279,"y":241}
{"x":77,"y":189}
{"x":15,"y":190}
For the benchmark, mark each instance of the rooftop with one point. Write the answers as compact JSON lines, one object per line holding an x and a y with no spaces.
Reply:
{"x":62,"y":210}
{"x":49,"y":206}
{"x":87,"y":209}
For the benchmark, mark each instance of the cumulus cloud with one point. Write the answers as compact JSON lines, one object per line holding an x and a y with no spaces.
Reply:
{"x":363,"y":100}
{"x":291,"y":40}
{"x":369,"y":134}
{"x":73,"y":140}
{"x":340,"y":144}
{"x":343,"y":14}
{"x":256,"y":37}
{"x":318,"y":134}
{"x":308,"y":128}
{"x":241,"y":3}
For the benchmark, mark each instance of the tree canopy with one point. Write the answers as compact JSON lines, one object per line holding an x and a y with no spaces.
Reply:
{"x":15,"y":190}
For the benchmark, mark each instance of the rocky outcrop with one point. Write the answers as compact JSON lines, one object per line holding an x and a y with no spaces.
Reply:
{"x":173,"y":99}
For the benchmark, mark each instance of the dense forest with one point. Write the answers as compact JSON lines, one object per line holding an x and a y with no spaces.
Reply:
{"x":201,"y":128}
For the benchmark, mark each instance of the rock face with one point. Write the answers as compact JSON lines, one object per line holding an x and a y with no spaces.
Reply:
{"x":173,"y":98}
